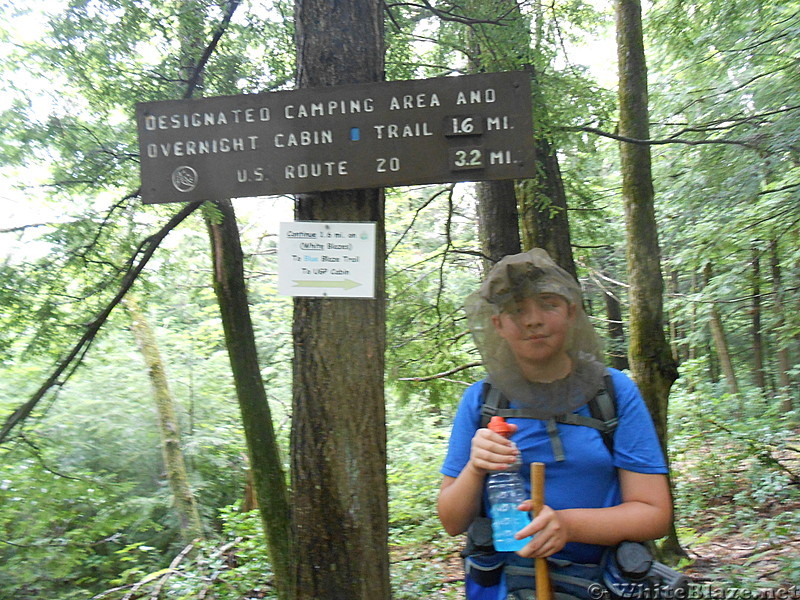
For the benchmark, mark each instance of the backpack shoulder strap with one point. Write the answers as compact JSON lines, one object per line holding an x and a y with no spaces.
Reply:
{"x":604,"y":408}
{"x":494,"y":403}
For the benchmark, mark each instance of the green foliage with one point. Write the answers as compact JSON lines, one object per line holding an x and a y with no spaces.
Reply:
{"x":733,"y":80}
{"x":232,"y":566}
{"x":60,"y":533}
{"x":735,"y":475}
{"x":417,"y":438}
{"x":429,"y":274}
{"x":417,"y":441}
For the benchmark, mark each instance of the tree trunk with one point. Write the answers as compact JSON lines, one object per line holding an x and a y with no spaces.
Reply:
{"x":498,"y":220}
{"x":759,"y":372}
{"x":616,"y":332}
{"x":652,"y":365}
{"x":690,"y":345}
{"x":269,"y":480}
{"x":692,"y":352}
{"x":169,"y":428}
{"x":650,"y":356}
{"x":540,"y":202}
{"x":721,"y":343}
{"x":781,"y":343}
{"x":265,"y":461}
{"x":543,"y":201}
{"x":338,"y":439}
{"x":498,"y":214}
{"x":723,"y":353}
{"x":675,"y":333}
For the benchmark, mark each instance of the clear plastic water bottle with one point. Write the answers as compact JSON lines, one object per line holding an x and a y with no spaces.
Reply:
{"x":506,"y":491}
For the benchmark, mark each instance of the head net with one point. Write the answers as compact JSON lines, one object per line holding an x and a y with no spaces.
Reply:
{"x":513,"y":279}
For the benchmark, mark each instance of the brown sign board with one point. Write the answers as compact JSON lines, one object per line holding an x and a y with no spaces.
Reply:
{"x":447,"y":129}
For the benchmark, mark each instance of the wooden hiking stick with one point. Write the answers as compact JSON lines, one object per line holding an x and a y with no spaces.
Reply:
{"x":543,"y":590}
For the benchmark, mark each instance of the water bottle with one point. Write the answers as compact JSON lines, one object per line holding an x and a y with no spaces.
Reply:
{"x":506,"y":491}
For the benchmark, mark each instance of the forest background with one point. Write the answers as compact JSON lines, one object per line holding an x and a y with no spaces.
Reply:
{"x":94,"y":502}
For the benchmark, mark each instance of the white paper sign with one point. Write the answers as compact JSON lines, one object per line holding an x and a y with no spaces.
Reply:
{"x":335,"y":260}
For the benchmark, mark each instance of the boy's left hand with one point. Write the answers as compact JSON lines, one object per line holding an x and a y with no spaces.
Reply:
{"x":549,"y":533}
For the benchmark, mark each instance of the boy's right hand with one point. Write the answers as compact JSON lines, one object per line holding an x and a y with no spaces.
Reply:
{"x":491,"y":451}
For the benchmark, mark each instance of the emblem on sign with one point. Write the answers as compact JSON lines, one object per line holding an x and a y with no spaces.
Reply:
{"x":184,"y":179}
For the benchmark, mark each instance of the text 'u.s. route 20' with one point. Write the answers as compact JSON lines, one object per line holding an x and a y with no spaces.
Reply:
{"x":469,"y":128}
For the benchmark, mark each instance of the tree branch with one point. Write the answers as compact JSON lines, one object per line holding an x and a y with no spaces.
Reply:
{"x":786,"y":188}
{"x":191,"y":85}
{"x":448,"y":15}
{"x":445,"y":190}
{"x":762,"y":451}
{"x":443,"y":374}
{"x":23,"y":227}
{"x":732,"y":121}
{"x":622,"y":138}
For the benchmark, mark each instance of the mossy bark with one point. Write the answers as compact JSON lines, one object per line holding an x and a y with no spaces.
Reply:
{"x":174,"y":464}
{"x":265,"y":462}
{"x":652,"y":365}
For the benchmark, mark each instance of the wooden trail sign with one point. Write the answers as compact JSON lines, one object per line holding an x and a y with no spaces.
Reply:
{"x":448,"y":129}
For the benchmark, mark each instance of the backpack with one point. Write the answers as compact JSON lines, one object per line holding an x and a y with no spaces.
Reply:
{"x":602,"y":408}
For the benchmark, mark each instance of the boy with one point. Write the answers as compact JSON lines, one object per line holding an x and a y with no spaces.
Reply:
{"x":542,"y":353}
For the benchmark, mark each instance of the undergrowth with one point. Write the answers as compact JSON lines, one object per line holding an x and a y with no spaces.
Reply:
{"x":736,"y":470}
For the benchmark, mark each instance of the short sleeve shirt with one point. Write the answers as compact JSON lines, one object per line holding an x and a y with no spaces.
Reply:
{"x":587,"y":478}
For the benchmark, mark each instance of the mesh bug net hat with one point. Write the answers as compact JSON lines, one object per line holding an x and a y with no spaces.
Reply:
{"x":513,"y":279}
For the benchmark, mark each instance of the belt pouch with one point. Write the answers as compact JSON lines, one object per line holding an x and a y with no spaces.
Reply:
{"x":484,"y":569}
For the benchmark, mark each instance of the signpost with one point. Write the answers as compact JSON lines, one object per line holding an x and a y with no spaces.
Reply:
{"x":449,"y":129}
{"x":327,"y":259}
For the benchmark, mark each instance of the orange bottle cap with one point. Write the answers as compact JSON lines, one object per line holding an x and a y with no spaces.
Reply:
{"x":499,"y":425}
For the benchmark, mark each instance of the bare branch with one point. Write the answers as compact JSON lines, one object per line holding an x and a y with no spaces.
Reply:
{"x":443,"y":374}
{"x":173,"y":566}
{"x":476,"y":253}
{"x":786,"y":188}
{"x":447,"y":248}
{"x":622,"y":138}
{"x":37,"y":454}
{"x":715,"y":93}
{"x":416,"y":215}
{"x":731,"y":122}
{"x":23,"y":227}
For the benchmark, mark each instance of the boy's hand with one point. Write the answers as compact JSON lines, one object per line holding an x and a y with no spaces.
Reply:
{"x":549,"y":533}
{"x":491,"y":451}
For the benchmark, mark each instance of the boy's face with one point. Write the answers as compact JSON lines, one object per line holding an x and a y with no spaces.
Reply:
{"x":536,"y":328}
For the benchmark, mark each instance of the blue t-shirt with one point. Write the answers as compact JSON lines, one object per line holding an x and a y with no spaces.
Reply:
{"x":587,"y":478}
